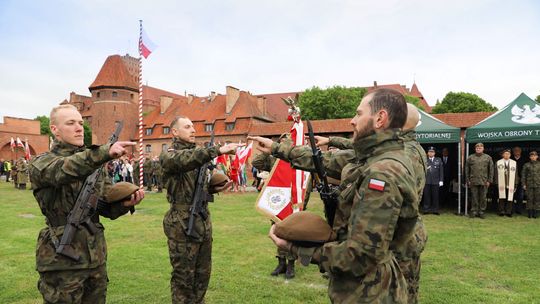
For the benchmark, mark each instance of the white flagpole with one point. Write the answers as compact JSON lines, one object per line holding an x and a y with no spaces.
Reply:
{"x":141,"y":159}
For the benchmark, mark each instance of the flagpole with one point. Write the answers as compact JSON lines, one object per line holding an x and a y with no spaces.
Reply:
{"x":141,"y":162}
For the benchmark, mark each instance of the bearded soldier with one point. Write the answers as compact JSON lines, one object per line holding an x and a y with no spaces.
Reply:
{"x":378,"y":207}
{"x":57,"y":178}
{"x":190,"y":256}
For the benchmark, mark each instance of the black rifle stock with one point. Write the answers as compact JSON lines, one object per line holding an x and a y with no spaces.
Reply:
{"x":199,"y":196}
{"x":328,"y":195}
{"x":84,"y":208}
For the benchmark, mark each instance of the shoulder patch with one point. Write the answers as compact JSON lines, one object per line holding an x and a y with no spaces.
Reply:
{"x":375,"y":184}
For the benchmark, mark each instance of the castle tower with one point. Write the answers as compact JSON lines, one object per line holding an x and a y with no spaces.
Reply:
{"x":115,"y":96}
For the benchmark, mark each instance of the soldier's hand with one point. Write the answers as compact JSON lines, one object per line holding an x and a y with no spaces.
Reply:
{"x":524,"y":187}
{"x":263,"y":144}
{"x":136,"y":198}
{"x":229,"y":148}
{"x":322,"y":141}
{"x":119,"y":148}
{"x":280,"y":243}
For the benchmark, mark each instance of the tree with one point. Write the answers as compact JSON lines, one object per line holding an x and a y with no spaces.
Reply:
{"x":87,"y":134}
{"x":44,"y":125}
{"x":462,"y":102}
{"x":334,"y":102}
{"x":538,"y":98}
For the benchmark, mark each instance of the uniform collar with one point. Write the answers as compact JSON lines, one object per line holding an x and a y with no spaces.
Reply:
{"x":179,"y":144}
{"x":377,"y":143}
{"x":64,"y":149}
{"x":408,"y":135}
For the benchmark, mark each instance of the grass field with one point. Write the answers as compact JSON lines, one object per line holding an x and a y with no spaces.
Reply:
{"x":496,"y":260}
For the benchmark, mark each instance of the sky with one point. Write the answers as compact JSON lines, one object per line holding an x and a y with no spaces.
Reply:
{"x":489,"y":48}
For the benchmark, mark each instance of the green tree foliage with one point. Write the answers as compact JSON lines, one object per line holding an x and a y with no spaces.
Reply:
{"x":538,"y":98}
{"x":462,"y":102}
{"x":334,"y":102}
{"x":415,"y":101}
{"x":44,"y":125}
{"x":87,"y":134}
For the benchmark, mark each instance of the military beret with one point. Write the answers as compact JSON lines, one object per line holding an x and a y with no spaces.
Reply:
{"x":218,"y":183}
{"x":479,"y":145}
{"x":305,"y":229}
{"x":120,"y":191}
{"x":533,"y":153}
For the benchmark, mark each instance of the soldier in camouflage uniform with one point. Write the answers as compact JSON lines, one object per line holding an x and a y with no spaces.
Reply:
{"x":158,"y":174}
{"x":377,"y":210}
{"x":14,"y":174}
{"x":57,"y":177}
{"x":530,"y":178}
{"x":190,"y":256}
{"x":479,"y":174}
{"x":148,"y":171}
{"x":22,"y":173}
{"x":408,"y":254}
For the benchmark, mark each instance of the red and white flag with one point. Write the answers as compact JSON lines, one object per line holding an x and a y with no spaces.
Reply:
{"x":19,"y":143}
{"x":12,"y":144}
{"x":146,"y":46}
{"x":26,"y":150}
{"x":243,"y":154}
{"x":285,"y":190}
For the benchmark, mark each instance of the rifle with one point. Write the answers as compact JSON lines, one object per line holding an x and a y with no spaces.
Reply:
{"x":328,"y":195}
{"x":200,"y":196}
{"x":84,"y":208}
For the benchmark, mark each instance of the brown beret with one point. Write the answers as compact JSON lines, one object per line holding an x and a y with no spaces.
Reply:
{"x":120,"y":191}
{"x":305,"y":229}
{"x":218,"y":183}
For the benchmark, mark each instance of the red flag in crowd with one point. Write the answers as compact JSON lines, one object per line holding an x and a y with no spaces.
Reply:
{"x":26,"y":150}
{"x":12,"y":144}
{"x":19,"y":143}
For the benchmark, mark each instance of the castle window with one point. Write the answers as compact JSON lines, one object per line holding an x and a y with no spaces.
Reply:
{"x":98,"y":94}
{"x":166,"y":130}
{"x":148,"y":149}
{"x":229,"y":126}
{"x":148,"y":131}
{"x":132,"y":96}
{"x":114,"y":94}
{"x":208,"y":127}
{"x":164,"y":147}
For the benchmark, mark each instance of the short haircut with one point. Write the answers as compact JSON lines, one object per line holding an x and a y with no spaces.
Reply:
{"x":393,"y":102}
{"x":175,"y":121}
{"x":54,"y":112}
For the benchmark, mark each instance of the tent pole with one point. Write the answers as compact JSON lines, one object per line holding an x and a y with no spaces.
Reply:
{"x":466,"y":188}
{"x":459,"y":178}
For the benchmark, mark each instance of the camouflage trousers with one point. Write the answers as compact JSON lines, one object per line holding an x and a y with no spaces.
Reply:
{"x":533,"y":198}
{"x":478,"y":199}
{"x":383,"y":284}
{"x":411,"y":272}
{"x":74,"y":286}
{"x":191,"y":259}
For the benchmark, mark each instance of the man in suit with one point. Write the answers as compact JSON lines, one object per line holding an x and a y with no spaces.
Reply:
{"x":434,"y":180}
{"x":449,"y":167}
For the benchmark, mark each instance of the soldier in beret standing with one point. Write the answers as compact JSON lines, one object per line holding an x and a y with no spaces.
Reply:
{"x":479,"y":175}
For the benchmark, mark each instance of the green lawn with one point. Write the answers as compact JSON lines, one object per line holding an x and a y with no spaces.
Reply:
{"x":466,"y":261}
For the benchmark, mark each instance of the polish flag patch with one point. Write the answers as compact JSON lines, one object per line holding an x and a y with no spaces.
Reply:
{"x":375,"y":184}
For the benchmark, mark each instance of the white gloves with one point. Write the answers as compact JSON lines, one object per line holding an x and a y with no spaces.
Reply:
{"x":441,"y":184}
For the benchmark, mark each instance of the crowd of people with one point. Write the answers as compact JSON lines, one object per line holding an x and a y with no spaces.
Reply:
{"x":15,"y":172}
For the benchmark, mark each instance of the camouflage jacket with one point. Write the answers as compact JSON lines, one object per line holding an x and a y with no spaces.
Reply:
{"x":22,"y":172}
{"x":377,"y":211}
{"x":415,"y":245}
{"x":157,"y":169}
{"x":57,"y":178}
{"x":147,"y":167}
{"x":341,"y":143}
{"x":479,"y":169}
{"x":180,"y":168}
{"x":263,"y":162}
{"x":531,"y":174}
